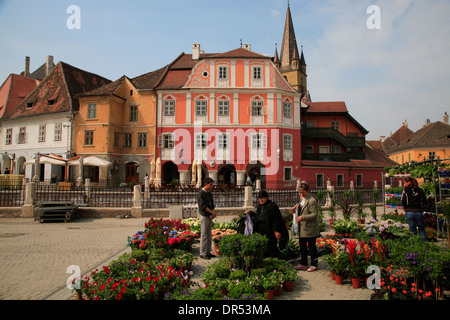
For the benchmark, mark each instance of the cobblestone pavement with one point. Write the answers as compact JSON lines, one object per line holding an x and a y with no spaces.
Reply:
{"x":34,"y":258}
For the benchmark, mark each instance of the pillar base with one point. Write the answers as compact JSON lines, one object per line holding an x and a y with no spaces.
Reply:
{"x":28,"y":211}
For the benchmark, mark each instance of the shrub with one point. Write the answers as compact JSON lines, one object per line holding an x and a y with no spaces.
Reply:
{"x":238,"y":275}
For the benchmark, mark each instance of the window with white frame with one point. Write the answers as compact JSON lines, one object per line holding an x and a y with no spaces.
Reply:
{"x":340,"y":180}
{"x":336,"y":125}
{"x":223,"y":107}
{"x":133,"y":113}
{"x":169,"y":107}
{"x":116,"y":139}
{"x":319,"y":180}
{"x":223,"y":72}
{"x":258,"y":146}
{"x":142,"y":140}
{"x":257,"y":107}
{"x":287,"y":142}
{"x":257,"y":73}
{"x":58,"y":128}
{"x":223,"y":141}
{"x":41,"y":137}
{"x":201,"y":107}
{"x":310,"y":124}
{"x":201,"y":140}
{"x":308,"y":149}
{"x":359,"y":180}
{"x":22,"y":135}
{"x":335,"y":149}
{"x":258,"y":141}
{"x":168,"y":141}
{"x":8,"y":138}
{"x":89,"y":138}
{"x":127,"y":140}
{"x":92,"y":111}
{"x":287,"y":109}
{"x":287,"y":174}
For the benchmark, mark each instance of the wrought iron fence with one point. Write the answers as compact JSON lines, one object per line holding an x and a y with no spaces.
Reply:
{"x":223,"y":198}
{"x":115,"y":196}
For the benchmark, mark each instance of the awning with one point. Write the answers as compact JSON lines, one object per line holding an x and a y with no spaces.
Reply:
{"x":91,"y":161}
{"x":46,"y":160}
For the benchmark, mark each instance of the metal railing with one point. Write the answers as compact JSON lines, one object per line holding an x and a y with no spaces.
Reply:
{"x":119,"y":197}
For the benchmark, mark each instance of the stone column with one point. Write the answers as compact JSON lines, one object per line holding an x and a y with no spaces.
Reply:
{"x":184,"y":177}
{"x":28,"y":207}
{"x":240,"y":180}
{"x":248,"y":198}
{"x":136,"y":210}
{"x":87,"y":188}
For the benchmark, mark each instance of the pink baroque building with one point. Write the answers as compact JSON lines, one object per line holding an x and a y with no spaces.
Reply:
{"x":232,"y":114}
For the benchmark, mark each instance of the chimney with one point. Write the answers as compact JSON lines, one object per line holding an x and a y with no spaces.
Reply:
{"x":446,"y":117}
{"x":248,"y":46}
{"x":48,"y":65}
{"x":195,"y":51}
{"x":27,"y":67}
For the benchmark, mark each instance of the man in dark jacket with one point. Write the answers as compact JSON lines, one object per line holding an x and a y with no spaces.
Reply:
{"x":207,"y":214}
{"x":269,"y":222}
{"x":414,"y":202}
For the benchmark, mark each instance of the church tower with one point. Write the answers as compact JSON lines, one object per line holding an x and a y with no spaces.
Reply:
{"x":292,"y":64}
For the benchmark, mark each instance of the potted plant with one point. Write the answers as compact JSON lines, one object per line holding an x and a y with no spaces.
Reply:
{"x":347,"y":209}
{"x":340,"y":266}
{"x":122,"y":186}
{"x":445,"y":207}
{"x":332,"y":208}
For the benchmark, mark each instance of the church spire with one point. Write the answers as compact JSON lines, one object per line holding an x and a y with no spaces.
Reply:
{"x":289,"y":48}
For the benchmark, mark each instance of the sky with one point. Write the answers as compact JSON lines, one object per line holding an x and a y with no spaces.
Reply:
{"x":386,"y":75}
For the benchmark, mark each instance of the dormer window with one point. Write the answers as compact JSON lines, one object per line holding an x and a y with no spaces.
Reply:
{"x":30,"y":104}
{"x":52,"y":101}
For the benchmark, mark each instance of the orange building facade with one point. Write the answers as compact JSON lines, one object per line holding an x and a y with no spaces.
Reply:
{"x":117,"y":123}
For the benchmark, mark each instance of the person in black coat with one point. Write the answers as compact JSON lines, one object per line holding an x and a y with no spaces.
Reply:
{"x":414,"y":201}
{"x":268,"y":221}
{"x":206,"y":209}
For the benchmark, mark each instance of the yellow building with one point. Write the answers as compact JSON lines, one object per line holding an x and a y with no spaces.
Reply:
{"x":432,"y":141}
{"x":117,"y":123}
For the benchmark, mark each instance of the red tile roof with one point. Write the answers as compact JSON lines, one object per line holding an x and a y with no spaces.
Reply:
{"x":63,"y":85}
{"x":327,"y":106}
{"x":178,"y":71}
{"x":374,"y":159}
{"x":13,"y":91}
{"x":240,"y":53}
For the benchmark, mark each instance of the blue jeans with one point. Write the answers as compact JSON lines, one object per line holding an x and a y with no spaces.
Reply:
{"x":416,"y":221}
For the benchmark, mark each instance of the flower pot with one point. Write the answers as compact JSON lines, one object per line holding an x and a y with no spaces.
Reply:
{"x":78,"y":295}
{"x":278,"y":291}
{"x":333,"y":275}
{"x":269,"y":294}
{"x":356,"y":283}
{"x":387,"y":235}
{"x":339,"y":279}
{"x":216,"y":250}
{"x":289,"y":286}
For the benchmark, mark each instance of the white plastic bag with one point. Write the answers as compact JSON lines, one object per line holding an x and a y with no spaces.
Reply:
{"x":248,"y":225}
{"x":294,"y":228}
